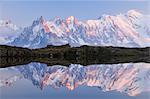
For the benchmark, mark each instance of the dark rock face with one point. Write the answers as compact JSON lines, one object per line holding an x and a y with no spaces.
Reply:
{"x":65,"y":55}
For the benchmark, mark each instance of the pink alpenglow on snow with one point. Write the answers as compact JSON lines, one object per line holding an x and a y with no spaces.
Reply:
{"x":131,"y":29}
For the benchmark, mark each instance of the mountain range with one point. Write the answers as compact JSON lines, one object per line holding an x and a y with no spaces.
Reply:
{"x":131,"y":29}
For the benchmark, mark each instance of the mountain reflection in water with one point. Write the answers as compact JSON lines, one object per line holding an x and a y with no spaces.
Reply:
{"x":129,"y":78}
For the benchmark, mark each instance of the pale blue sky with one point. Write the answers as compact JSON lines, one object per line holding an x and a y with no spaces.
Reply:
{"x":24,"y":12}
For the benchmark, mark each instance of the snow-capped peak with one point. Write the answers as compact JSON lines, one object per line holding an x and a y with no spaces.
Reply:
{"x":71,"y":20}
{"x":8,"y":24}
{"x":38,"y":21}
{"x":134,"y":13}
{"x":8,"y":31}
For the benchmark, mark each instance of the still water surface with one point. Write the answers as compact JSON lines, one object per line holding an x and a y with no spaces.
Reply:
{"x":98,"y":81}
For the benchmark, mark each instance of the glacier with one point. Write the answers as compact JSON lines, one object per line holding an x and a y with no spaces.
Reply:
{"x":129,"y":78}
{"x":131,"y":29}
